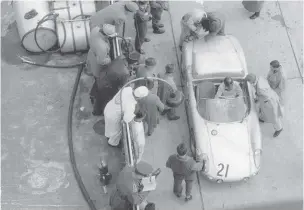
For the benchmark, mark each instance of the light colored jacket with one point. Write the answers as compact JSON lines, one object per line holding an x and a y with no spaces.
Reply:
{"x":99,"y":53}
{"x":277,"y":81}
{"x":113,"y":14}
{"x":192,"y":19}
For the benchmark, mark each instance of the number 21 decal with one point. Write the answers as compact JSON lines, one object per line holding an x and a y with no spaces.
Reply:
{"x":223,"y":169}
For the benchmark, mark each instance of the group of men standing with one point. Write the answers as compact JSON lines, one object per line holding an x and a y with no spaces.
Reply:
{"x":150,"y":97}
{"x":270,"y":96}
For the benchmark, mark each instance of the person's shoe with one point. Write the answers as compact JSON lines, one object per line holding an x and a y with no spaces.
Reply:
{"x":160,"y":25}
{"x":277,"y":133}
{"x":149,"y":134}
{"x":174,"y":117}
{"x":158,"y":30}
{"x":188,"y":198}
{"x":177,"y":195}
{"x":96,"y":114}
{"x":147,"y":40}
{"x":165,"y":111}
{"x":254,"y":16}
{"x":261,"y":121}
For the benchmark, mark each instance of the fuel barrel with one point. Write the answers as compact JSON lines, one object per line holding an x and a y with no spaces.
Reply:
{"x":27,"y":15}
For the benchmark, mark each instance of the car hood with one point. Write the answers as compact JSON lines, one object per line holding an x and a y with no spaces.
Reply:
{"x":230,"y":144}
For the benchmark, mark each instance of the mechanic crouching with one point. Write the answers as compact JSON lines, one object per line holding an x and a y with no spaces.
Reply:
{"x":133,"y":187}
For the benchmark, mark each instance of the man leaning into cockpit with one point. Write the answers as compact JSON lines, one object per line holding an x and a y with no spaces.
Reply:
{"x":229,"y":89}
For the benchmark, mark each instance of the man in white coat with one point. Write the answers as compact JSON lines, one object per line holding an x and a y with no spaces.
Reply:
{"x":270,"y":108}
{"x":113,"y":114}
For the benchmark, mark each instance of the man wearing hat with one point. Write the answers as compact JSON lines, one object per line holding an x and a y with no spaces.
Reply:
{"x":141,"y":18}
{"x":116,"y":14}
{"x":184,"y":169}
{"x":157,"y":8}
{"x":150,"y":105}
{"x":146,"y":70}
{"x":277,"y":79}
{"x":99,"y":53}
{"x":164,"y":90}
{"x":130,"y":187}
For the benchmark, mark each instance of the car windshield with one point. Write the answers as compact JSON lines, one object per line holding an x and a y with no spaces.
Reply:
{"x":222,"y":109}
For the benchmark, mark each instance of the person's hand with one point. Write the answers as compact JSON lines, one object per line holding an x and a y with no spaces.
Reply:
{"x":256,"y":100}
{"x":181,"y":48}
{"x":207,"y":38}
{"x":150,"y":17}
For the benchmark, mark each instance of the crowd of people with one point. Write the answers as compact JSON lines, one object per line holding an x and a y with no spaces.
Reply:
{"x":149,"y":99}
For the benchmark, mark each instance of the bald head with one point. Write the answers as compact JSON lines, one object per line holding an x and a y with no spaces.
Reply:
{"x":228,"y":81}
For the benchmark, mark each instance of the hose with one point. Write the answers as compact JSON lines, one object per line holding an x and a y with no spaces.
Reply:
{"x":71,"y":146}
{"x":44,"y":19}
{"x":24,"y":60}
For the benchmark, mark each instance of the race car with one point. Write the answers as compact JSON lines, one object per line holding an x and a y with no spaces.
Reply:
{"x":224,"y":132}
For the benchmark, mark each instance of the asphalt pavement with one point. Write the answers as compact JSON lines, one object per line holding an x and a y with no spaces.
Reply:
{"x":36,"y":172}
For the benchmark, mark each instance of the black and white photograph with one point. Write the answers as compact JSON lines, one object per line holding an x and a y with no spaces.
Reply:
{"x":151,"y":105}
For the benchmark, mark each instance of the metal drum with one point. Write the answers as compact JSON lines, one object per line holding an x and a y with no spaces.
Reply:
{"x":73,"y":35}
{"x":69,"y":10}
{"x":27,"y":15}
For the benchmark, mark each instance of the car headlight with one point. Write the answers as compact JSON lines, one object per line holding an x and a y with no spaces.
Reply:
{"x":257,"y":157}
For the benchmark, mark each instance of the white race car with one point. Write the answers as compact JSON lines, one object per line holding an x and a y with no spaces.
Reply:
{"x":225,"y":132}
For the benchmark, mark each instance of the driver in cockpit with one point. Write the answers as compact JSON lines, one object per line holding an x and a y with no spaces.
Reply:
{"x":229,"y":89}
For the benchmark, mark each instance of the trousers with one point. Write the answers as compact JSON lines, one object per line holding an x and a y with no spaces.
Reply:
{"x":156,"y":16}
{"x":141,"y":32}
{"x":177,"y":187}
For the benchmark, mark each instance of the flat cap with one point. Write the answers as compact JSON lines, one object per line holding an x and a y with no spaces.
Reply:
{"x":251,"y":78}
{"x":143,"y":168}
{"x":169,"y":68}
{"x":109,"y":30}
{"x":275,"y":64}
{"x":131,"y":6}
{"x":150,"y":62}
{"x":181,"y":149}
{"x":141,"y":92}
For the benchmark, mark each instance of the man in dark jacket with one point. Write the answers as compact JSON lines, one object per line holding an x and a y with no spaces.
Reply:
{"x":146,"y":70}
{"x":141,"y":18}
{"x":150,"y":105}
{"x":183,"y":168}
{"x":214,"y":23}
{"x":164,"y":90}
{"x":157,"y":8}
{"x":108,"y":83}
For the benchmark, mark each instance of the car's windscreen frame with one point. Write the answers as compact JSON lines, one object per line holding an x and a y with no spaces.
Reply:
{"x":217,"y":82}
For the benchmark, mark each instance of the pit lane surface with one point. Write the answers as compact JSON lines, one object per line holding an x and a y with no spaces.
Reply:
{"x":34,"y":153}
